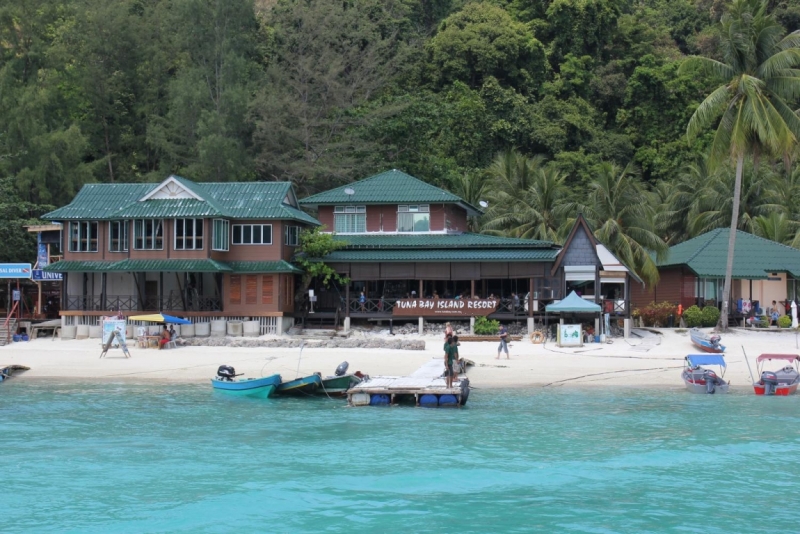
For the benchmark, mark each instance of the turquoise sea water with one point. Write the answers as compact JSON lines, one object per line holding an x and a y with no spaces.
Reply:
{"x":136,"y":458}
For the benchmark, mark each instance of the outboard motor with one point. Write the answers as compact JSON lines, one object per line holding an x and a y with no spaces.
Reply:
{"x":711,"y":381}
{"x":715,"y":339}
{"x":342,"y":369}
{"x":770,"y":381}
{"x":226,"y":372}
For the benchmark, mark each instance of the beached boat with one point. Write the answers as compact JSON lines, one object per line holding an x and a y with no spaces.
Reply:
{"x":705,"y":342}
{"x":701,"y":380}
{"x":338,"y":384}
{"x":7,"y":371}
{"x":782,"y":382}
{"x":304,"y":385}
{"x":226,"y":382}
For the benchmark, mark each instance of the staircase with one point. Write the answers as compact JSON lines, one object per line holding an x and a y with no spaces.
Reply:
{"x":7,"y":331}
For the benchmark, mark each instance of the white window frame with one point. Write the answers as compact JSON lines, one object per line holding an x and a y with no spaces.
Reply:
{"x":84,"y":235}
{"x":356,"y":215}
{"x":185,"y":237}
{"x":291,"y":236}
{"x":124,"y":236}
{"x":251,"y":226}
{"x":221,"y":235}
{"x":404,"y":209}
{"x":157,"y":224}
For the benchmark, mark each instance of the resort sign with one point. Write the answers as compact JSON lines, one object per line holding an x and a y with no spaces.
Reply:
{"x":15,"y":270}
{"x":445,"y":307}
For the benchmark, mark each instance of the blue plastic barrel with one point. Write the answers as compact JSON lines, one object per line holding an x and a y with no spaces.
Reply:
{"x":429,"y":401}
{"x":448,"y":400}
{"x":379,"y":400}
{"x":16,"y":337}
{"x":24,"y":337}
{"x":597,"y":339}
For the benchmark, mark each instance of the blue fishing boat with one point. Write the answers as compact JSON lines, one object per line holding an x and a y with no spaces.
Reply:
{"x":7,"y":371}
{"x":705,"y":342}
{"x":307,"y":385}
{"x":226,"y":382}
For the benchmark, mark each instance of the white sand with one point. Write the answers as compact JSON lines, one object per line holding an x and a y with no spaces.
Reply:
{"x":620,"y":363}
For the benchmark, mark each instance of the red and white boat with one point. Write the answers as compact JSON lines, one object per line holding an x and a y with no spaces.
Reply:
{"x":782,"y":382}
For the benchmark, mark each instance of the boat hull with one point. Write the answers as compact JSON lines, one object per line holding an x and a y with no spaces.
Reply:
{"x":701,"y":341}
{"x":305,"y":385}
{"x":338,"y":385}
{"x":696,"y":383}
{"x":782,"y":390}
{"x":252,"y":387}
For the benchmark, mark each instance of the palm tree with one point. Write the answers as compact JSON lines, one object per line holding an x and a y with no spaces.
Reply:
{"x":624,"y":220}
{"x":675,"y":212}
{"x":777,"y":227}
{"x":472,"y":187}
{"x":526,"y":197}
{"x":758,"y":77}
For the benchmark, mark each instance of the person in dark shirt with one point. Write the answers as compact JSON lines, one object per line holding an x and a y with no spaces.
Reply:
{"x":450,"y":352}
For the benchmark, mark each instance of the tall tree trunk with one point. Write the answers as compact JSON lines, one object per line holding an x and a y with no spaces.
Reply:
{"x":722,"y":326}
{"x":108,"y":150}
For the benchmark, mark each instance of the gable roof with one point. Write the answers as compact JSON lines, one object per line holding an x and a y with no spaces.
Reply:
{"x":232,"y":200}
{"x":389,"y":187}
{"x":753,"y":257}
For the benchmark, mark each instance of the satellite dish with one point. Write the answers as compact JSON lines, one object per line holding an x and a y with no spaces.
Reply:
{"x":349,"y":191}
{"x":483,"y":204}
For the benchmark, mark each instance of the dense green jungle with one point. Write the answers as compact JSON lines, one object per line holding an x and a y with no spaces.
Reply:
{"x":542,"y":108}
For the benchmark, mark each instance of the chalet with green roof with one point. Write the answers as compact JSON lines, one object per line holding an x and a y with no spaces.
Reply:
{"x":694,"y":271}
{"x":199,"y":248}
{"x":406,"y":238}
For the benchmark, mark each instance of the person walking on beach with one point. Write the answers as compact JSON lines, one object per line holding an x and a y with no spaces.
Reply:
{"x":503,"y":342}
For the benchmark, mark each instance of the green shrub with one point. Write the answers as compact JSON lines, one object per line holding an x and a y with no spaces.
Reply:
{"x":486,"y":327}
{"x":693,"y":316}
{"x":710,"y":316}
{"x":762,"y":323}
{"x":785,"y":321}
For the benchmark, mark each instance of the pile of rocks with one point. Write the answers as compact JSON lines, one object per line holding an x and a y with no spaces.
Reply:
{"x":333,"y":343}
{"x":459,"y":327}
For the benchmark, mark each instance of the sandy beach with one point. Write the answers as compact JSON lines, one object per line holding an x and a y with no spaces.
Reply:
{"x":648,"y":362}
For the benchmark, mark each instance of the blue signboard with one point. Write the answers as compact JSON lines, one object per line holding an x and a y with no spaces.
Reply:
{"x":15,"y":270}
{"x":44,"y":276}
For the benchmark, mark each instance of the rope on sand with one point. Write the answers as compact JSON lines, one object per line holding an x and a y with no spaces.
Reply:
{"x":611,"y":373}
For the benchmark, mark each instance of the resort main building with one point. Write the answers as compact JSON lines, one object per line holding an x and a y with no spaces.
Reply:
{"x":210,"y":251}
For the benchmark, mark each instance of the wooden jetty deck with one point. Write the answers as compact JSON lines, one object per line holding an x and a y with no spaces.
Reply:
{"x":418,"y":388}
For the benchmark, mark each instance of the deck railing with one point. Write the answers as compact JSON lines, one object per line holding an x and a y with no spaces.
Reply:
{"x":131,"y":303}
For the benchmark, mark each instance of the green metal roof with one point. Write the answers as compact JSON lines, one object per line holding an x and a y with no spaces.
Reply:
{"x":174,"y":265}
{"x":395,"y":241}
{"x":390,"y":187}
{"x":195,"y":266}
{"x":263,"y":267}
{"x":753,"y":257}
{"x":428,"y":255}
{"x":99,"y":201}
{"x":78,"y":266}
{"x":233,"y":200}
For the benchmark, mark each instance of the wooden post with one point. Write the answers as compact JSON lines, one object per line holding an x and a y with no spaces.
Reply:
{"x":472,"y":288}
{"x":180,"y":289}
{"x":160,"y":290}
{"x":64,"y":288}
{"x":347,"y":300}
{"x":38,"y":297}
{"x":530,"y":298}
{"x":103,"y":291}
{"x":484,"y":294}
{"x":419,"y":295}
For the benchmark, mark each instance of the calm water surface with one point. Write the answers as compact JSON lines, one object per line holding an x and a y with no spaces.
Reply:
{"x":135,"y":458}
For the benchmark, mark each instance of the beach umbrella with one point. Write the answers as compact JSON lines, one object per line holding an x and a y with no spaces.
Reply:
{"x":159,"y":318}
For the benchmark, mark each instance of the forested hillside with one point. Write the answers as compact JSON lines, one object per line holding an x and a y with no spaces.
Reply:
{"x":541,"y":107}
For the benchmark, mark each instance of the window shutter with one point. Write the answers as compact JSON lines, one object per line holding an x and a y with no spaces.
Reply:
{"x":251,"y":289}
{"x":236,"y":289}
{"x":266,"y":289}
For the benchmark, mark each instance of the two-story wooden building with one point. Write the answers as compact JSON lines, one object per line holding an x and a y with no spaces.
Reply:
{"x":206,"y":250}
{"x":406,"y":239}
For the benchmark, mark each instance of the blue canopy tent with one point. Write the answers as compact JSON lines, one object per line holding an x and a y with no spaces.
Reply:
{"x":572,"y":304}
{"x":575,"y":304}
{"x":159,"y":318}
